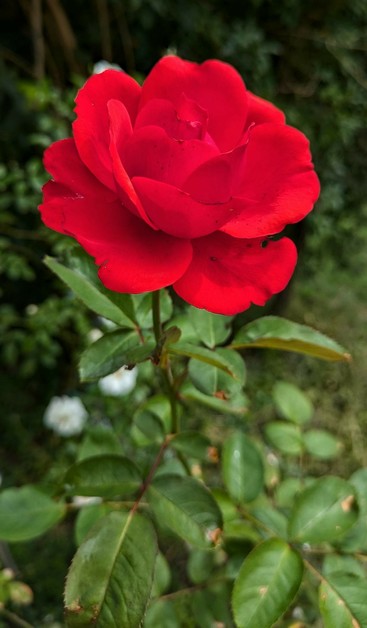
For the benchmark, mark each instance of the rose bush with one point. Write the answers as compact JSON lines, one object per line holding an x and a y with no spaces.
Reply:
{"x":180,"y":182}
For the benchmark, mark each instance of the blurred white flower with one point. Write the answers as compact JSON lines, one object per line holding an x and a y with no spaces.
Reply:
{"x":103,"y":65}
{"x":106,"y":323}
{"x":31,"y":309}
{"x":79,"y":501}
{"x":94,"y":334}
{"x":65,"y":415}
{"x":119,"y":383}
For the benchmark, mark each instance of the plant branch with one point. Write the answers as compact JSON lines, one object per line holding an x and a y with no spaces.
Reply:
{"x":151,"y":473}
{"x":14,"y":619}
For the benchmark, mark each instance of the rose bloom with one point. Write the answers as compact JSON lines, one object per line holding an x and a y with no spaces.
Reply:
{"x":180,"y":182}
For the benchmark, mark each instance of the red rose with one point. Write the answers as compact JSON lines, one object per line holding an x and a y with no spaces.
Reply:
{"x":179,"y":182}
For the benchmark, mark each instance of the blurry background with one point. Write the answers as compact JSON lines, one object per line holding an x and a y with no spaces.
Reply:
{"x":309,"y":58}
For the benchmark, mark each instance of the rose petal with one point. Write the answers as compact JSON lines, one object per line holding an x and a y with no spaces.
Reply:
{"x":51,"y":209}
{"x":62,"y":161}
{"x":91,"y":128}
{"x":261,"y":111}
{"x":279,"y":185}
{"x":215,"y":86}
{"x":187,"y":122}
{"x":216,"y":180}
{"x":120,"y":133}
{"x":226,"y":274}
{"x":132,"y":257}
{"x":176,"y":212}
{"x":151,"y":153}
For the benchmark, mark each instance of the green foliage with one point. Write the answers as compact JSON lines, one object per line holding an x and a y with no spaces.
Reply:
{"x":266,"y":584}
{"x":187,"y":508}
{"x":273,"y":332}
{"x":153,"y":483}
{"x":27,"y":513}
{"x":112,"y":572}
{"x":105,"y":475}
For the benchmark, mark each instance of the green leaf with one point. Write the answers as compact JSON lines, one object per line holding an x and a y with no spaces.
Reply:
{"x":159,"y":406}
{"x":212,"y":329}
{"x":285,"y":437}
{"x":93,"y":294}
{"x":272,"y":518}
{"x":188,"y":333}
{"x":162,"y":576}
{"x":143,"y":308}
{"x":207,"y":356}
{"x":344,"y":564}
{"x":353,"y":590}
{"x":239,"y":529}
{"x":111,"y":575}
{"x":200,"y":565}
{"x":322,"y":444}
{"x":87,"y":517}
{"x":227,"y":507}
{"x":242,"y":468}
{"x":80,"y":261}
{"x":212,"y":381}
{"x":146,"y":429}
{"x":99,"y":440}
{"x":151,"y":421}
{"x":111,"y":352}
{"x":334,"y":612}
{"x":292,"y":403}
{"x":273,"y":332}
{"x":266,"y":584}
{"x":359,"y":481}
{"x":324,"y":511}
{"x":105,"y":476}
{"x":186,"y":507}
{"x":356,"y":539}
{"x":237,"y":405}
{"x":161,"y":613}
{"x":193,"y":444}
{"x":287,"y":490}
{"x":26,"y":513}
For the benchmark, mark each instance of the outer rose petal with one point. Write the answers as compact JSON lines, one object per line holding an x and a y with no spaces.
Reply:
{"x":176,"y":212}
{"x":215,"y":86}
{"x":62,"y":161}
{"x":279,"y":185}
{"x":132,"y":257}
{"x":226,"y":275}
{"x":91,"y":128}
{"x":261,"y":111}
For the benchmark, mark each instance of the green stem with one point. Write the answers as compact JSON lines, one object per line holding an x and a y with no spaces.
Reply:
{"x":14,"y":619}
{"x":171,"y":393}
{"x":167,"y":374}
{"x":157,"y":325}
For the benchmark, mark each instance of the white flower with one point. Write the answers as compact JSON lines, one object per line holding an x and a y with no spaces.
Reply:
{"x":80,"y":501}
{"x":94,"y":334}
{"x":101,"y":66}
{"x":65,"y":415}
{"x":119,"y":383}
